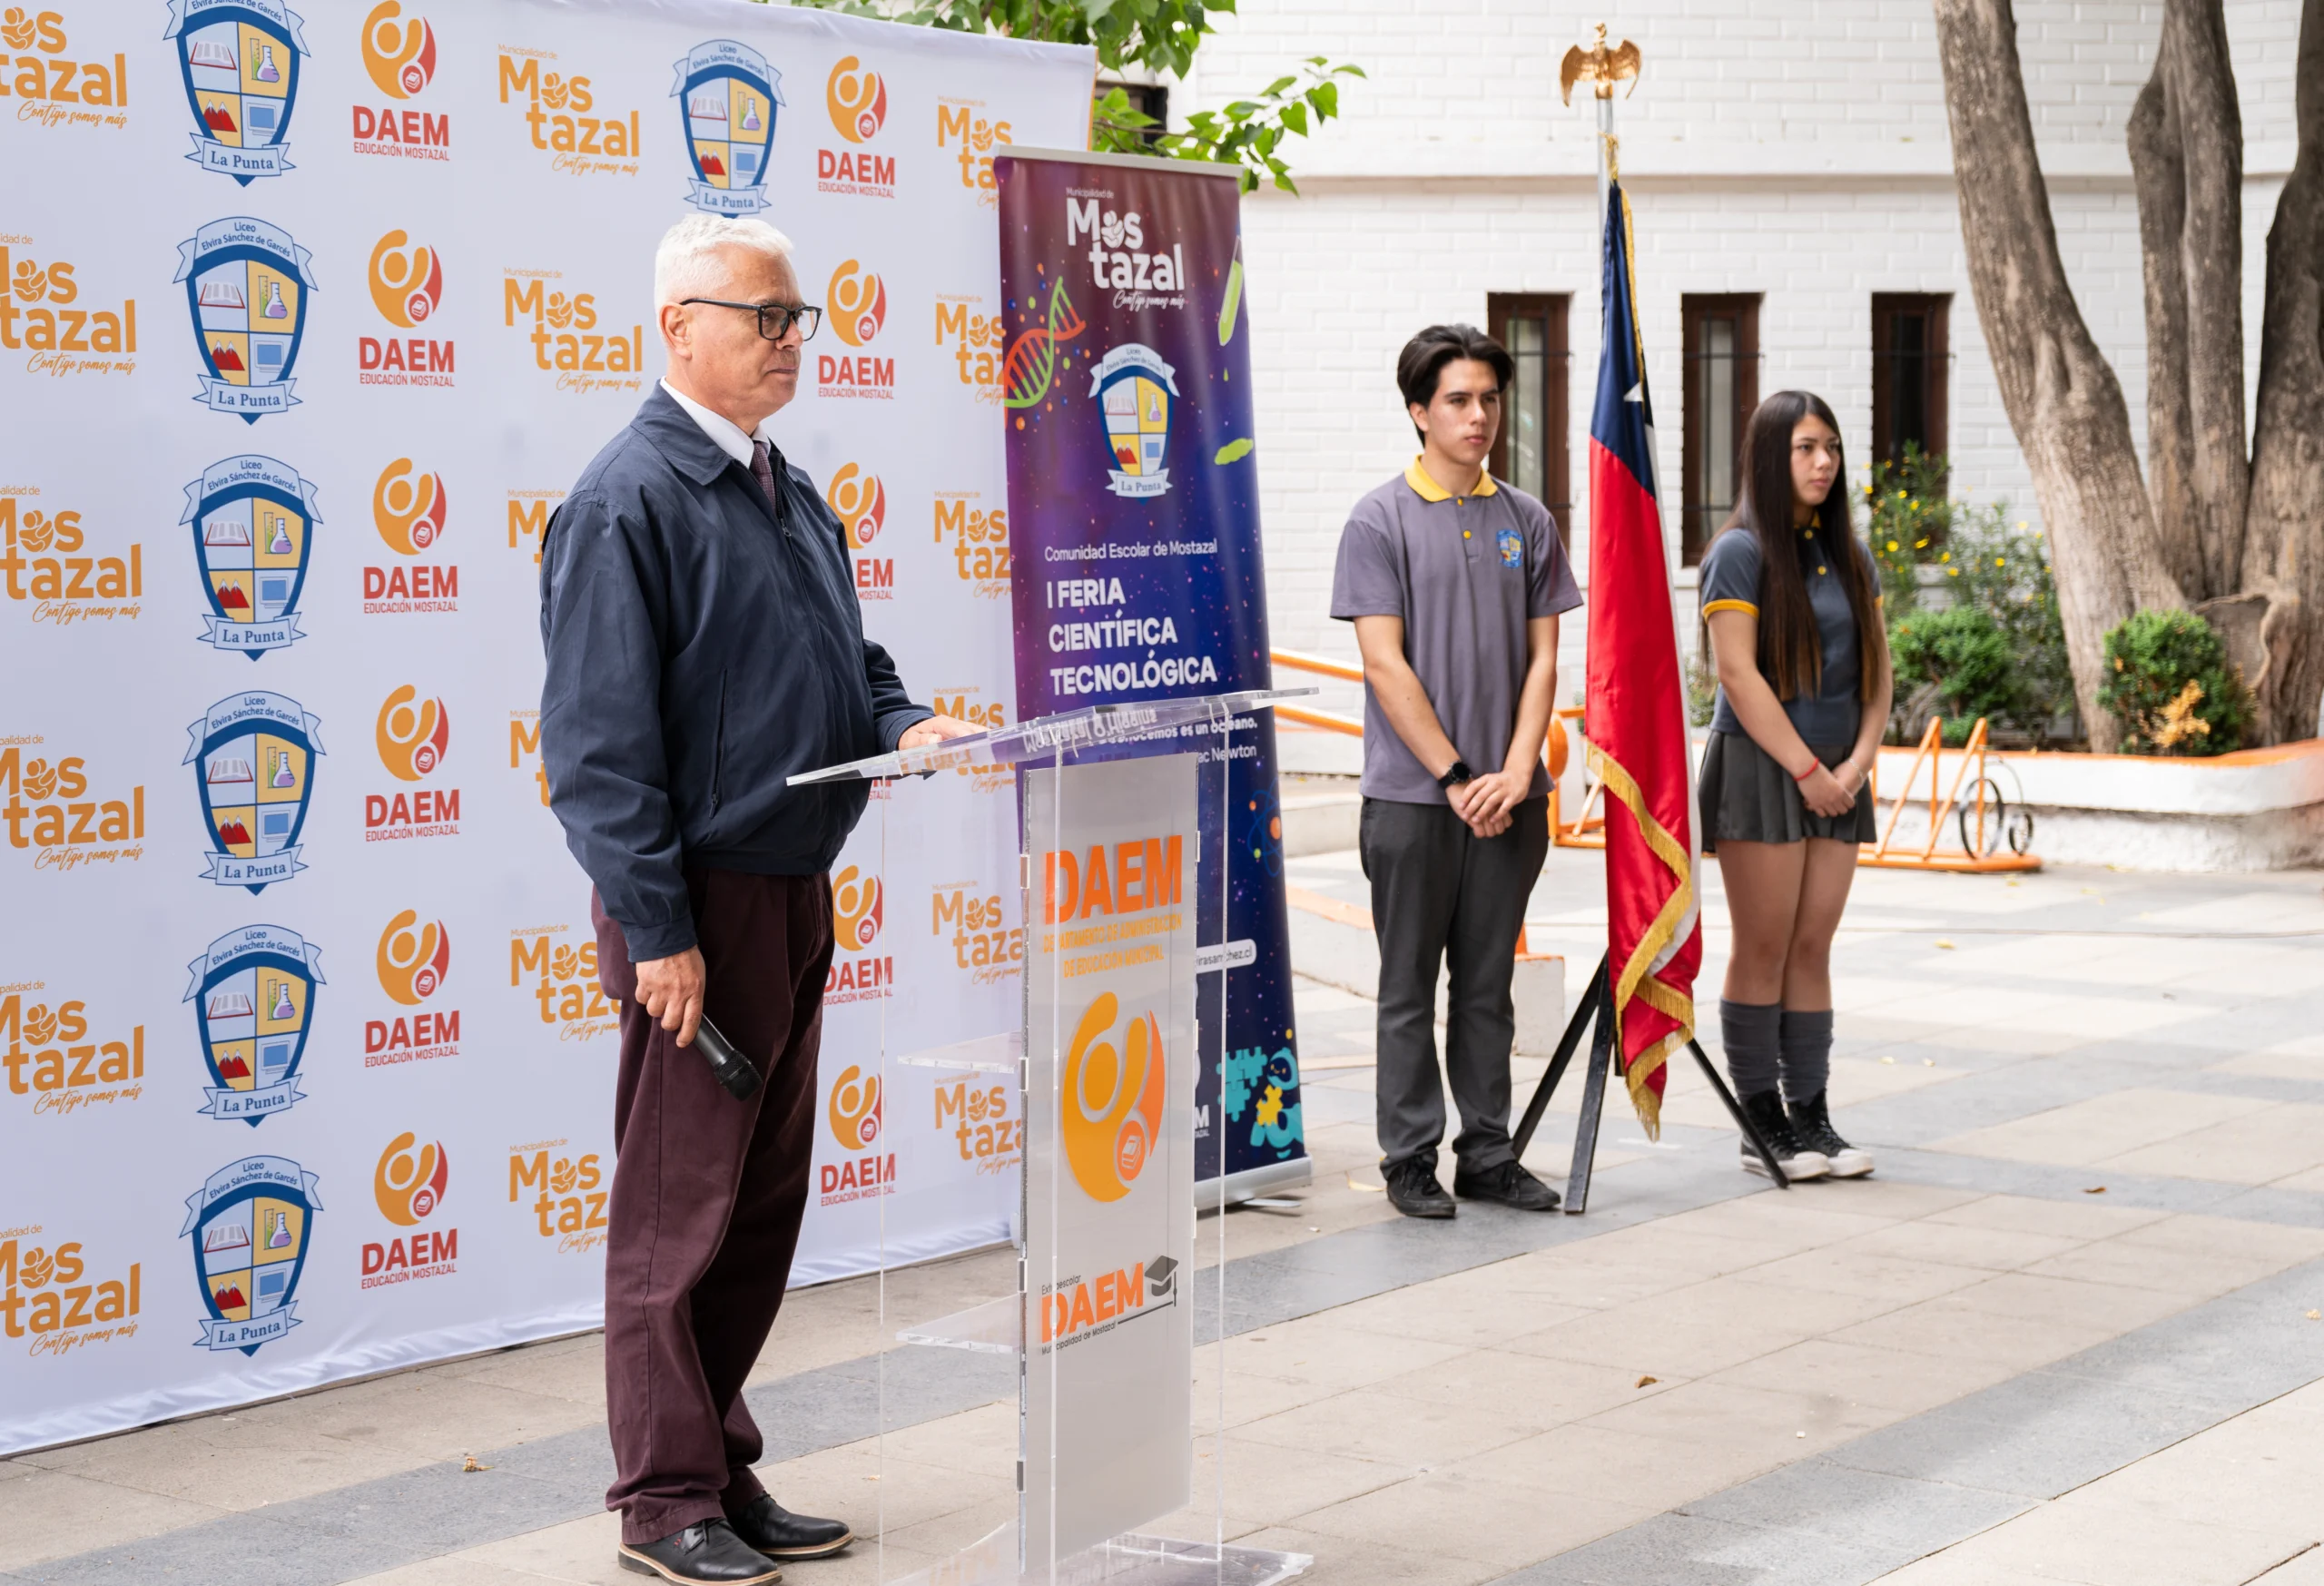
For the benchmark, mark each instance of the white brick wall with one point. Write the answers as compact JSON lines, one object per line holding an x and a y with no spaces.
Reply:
{"x":1800,"y":152}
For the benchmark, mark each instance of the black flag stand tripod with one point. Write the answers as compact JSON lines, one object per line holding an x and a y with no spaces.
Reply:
{"x":1597,"y":1006}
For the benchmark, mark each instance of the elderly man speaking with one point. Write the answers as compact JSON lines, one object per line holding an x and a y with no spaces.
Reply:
{"x":703,"y":644}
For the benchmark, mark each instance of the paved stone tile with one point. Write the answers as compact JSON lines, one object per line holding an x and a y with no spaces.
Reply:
{"x":1822,"y":1498}
{"x":1959,"y":1245}
{"x":1469,"y":1515}
{"x":53,"y":1514}
{"x":1556,"y":1389}
{"x":1365,"y":1423}
{"x":2100,"y":1127}
{"x":2118,"y":1548}
{"x":1865,"y":1375}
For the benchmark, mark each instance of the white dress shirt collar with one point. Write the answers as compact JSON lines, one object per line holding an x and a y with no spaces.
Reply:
{"x":721,"y":429}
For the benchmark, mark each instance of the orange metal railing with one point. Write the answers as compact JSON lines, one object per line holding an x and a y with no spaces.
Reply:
{"x":1973,"y":859}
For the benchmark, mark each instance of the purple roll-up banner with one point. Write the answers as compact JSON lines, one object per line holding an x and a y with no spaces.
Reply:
{"x":1135,"y":567}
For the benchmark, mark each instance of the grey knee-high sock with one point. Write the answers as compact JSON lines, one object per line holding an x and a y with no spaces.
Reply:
{"x":1750,"y":1033}
{"x":1806,"y":1047}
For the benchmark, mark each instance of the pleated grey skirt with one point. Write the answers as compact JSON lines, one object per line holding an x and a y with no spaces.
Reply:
{"x":1744,"y":796}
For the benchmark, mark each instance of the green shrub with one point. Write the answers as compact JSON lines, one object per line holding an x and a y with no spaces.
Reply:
{"x":1964,"y":653}
{"x":1987,"y":564}
{"x":2170,"y":683}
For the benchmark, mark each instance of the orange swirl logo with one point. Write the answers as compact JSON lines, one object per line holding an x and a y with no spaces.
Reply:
{"x":857,"y":100}
{"x":407,"y":282}
{"x":854,"y":1108}
{"x":855,"y":908}
{"x":407,"y":508}
{"x":859,"y":303}
{"x":414,"y":959}
{"x":861,"y":502}
{"x":413,"y":733}
{"x":409,"y":1184}
{"x":1113,"y":1101}
{"x":401,"y":57}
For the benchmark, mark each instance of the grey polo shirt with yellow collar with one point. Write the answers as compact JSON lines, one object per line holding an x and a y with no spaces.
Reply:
{"x":1466,"y":573}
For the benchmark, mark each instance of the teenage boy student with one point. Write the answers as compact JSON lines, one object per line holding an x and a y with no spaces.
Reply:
{"x":1454,"y":581}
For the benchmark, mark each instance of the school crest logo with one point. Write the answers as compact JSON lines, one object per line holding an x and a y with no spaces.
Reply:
{"x":254,"y":528}
{"x":241,"y":62}
{"x":253,"y":758}
{"x":1134,"y":389}
{"x":251,"y":1225}
{"x":727,"y":96}
{"x":246,"y":286}
{"x":253,"y":996}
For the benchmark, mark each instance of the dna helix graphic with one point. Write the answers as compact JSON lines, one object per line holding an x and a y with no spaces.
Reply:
{"x":1031,"y":360}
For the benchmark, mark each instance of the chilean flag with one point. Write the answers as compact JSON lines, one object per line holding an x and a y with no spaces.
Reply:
{"x":1637,"y":723}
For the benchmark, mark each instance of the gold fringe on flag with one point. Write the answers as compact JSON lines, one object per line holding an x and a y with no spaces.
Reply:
{"x":1633,"y":979}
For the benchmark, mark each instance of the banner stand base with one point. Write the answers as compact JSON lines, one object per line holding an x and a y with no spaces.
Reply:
{"x":1125,"y":1560}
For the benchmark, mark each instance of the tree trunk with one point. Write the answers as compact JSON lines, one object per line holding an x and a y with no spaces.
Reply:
{"x":2063,"y":401}
{"x":2186,"y":141}
{"x":2285,"y":529}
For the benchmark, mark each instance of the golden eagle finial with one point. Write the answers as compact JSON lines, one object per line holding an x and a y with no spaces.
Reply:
{"x":1599,"y":65}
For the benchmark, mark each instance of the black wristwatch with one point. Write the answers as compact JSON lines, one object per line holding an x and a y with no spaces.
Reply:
{"x":1456,"y":774}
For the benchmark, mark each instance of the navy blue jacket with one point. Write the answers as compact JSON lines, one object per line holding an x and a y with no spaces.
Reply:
{"x":700,"y":651}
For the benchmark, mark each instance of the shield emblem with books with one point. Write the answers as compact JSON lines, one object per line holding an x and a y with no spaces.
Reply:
{"x":251,"y":1225}
{"x":727,"y":98}
{"x":253,"y":996}
{"x":254,"y":523}
{"x":1135,"y":389}
{"x":240,"y":59}
{"x":253,"y":758}
{"x":246,"y":286}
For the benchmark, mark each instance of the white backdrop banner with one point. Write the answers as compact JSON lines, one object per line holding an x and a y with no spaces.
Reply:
{"x":308,"y":316}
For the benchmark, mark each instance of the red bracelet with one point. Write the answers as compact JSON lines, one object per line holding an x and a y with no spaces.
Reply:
{"x":1813,"y":767}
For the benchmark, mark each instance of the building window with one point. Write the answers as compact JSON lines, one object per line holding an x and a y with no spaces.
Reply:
{"x":1721,"y":335}
{"x":1531,"y":450}
{"x":1911,"y":363}
{"x":1149,"y":99}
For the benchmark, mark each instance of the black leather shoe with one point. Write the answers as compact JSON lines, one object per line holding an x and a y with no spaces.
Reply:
{"x":778,"y":1533}
{"x":1508,"y":1183}
{"x":1413,"y":1188}
{"x":709,"y":1553}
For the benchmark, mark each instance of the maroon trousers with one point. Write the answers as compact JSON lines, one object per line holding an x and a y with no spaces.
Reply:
{"x":708,"y":1192}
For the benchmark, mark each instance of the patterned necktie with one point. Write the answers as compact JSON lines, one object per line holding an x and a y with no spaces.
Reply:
{"x":762,"y":470}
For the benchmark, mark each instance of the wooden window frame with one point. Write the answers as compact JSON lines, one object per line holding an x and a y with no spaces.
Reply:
{"x":1555,"y":311}
{"x":1936,"y":370}
{"x":1696,"y":531}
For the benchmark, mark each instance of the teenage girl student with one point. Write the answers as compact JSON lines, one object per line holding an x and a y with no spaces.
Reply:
{"x":1794,"y":613}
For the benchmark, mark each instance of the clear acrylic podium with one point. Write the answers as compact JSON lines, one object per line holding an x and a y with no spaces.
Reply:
{"x":1110,"y":1463}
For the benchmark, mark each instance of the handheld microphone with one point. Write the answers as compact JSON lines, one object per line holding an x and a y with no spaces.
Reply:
{"x":732,"y":1069}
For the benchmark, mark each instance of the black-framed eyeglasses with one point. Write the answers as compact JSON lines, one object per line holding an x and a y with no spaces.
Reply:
{"x":775,"y":320}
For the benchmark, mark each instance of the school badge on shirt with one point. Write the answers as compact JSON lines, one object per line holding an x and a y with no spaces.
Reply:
{"x":1512,"y":548}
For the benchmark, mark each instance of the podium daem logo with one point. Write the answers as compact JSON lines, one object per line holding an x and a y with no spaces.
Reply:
{"x":243,"y":62}
{"x":44,"y":561}
{"x":1113,"y":1099}
{"x":414,"y":960}
{"x":50,"y":813}
{"x":38,"y":315}
{"x":45,"y":1300}
{"x":409,"y":1184}
{"x":859,"y":303}
{"x":407,"y":508}
{"x":399,"y":54}
{"x":57,"y":91}
{"x":410,"y":1180}
{"x":857,"y":100}
{"x":50,"y":1055}
{"x":854,"y":1108}
{"x":412,"y":733}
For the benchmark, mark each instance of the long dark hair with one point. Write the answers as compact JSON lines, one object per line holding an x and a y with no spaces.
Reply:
{"x":1791,"y":651}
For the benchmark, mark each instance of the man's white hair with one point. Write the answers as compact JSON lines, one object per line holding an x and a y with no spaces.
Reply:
{"x":686,"y":265}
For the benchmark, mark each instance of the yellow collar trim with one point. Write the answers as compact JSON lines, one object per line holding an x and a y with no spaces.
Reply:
{"x":1428,"y":489}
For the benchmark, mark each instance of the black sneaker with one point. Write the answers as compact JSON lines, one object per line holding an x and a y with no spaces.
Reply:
{"x":1508,"y":1183}
{"x":710,"y":1553}
{"x":1413,"y":1188}
{"x":1811,"y":1120}
{"x":1766,"y":1110}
